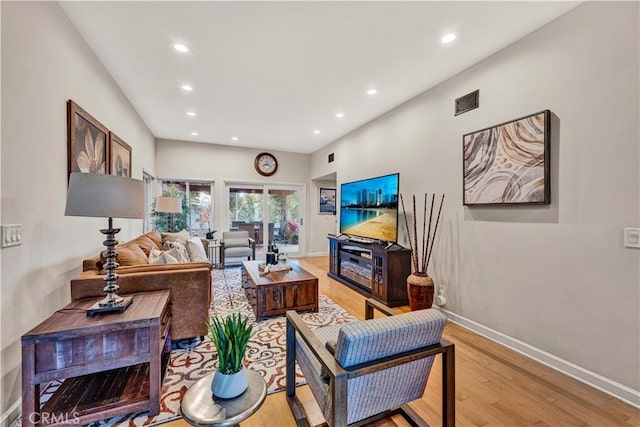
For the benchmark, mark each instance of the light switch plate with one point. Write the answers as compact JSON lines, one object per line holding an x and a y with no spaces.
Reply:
{"x":632,"y":237}
{"x":11,"y":235}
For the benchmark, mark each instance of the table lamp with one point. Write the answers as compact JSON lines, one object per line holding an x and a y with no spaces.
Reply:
{"x":169,"y":205}
{"x":106,"y":196}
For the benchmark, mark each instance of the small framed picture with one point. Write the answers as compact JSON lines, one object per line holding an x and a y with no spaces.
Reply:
{"x":327,"y":201}
{"x":87,"y":149}
{"x":119,"y":156}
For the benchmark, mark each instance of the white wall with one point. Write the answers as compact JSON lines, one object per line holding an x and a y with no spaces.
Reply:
{"x":556,"y":277}
{"x":45,"y":62}
{"x":222,"y":163}
{"x":321,"y":224}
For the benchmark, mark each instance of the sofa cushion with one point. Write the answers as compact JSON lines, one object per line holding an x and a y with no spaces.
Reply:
{"x":162,"y":257}
{"x":130,"y":254}
{"x":196,"y":249}
{"x":145,"y":243}
{"x":236,"y":243}
{"x":155,"y":238}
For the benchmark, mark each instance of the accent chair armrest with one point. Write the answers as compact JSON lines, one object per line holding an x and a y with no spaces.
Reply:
{"x":370,"y":304}
{"x":317,"y":347}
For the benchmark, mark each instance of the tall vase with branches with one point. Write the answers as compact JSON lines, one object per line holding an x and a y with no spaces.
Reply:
{"x":420,"y":285}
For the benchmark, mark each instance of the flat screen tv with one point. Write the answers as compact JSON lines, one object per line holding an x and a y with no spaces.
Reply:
{"x":369,"y":208}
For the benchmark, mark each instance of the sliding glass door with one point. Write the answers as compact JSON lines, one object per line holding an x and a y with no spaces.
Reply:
{"x":268,"y":213}
{"x":285,"y":218}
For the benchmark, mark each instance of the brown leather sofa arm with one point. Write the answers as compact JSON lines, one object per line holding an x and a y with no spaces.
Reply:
{"x":91,"y":264}
{"x":190,"y":293}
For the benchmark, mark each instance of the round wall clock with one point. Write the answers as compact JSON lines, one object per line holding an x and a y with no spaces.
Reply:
{"x":266,"y":164}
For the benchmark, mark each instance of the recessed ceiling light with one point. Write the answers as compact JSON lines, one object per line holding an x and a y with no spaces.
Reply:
{"x":316,"y":131}
{"x":187,"y":88}
{"x":372,"y":92}
{"x":191,"y":114}
{"x":181,"y":48}
{"x":234,"y":138}
{"x":194,"y":133}
{"x":448,"y":38}
{"x":339,"y":115}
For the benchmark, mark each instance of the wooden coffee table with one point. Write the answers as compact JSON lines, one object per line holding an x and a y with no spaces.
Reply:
{"x":276,"y":292}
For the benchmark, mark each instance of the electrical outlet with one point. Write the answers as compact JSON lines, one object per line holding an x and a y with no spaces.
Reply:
{"x":11,"y":235}
{"x":632,"y":237}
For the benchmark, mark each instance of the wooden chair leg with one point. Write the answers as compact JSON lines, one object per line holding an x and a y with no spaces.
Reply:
{"x":294,"y":403}
{"x":449,"y":387}
{"x":412,"y":416}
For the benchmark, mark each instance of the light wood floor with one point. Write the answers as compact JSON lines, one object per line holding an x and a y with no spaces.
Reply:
{"x":494,"y":385}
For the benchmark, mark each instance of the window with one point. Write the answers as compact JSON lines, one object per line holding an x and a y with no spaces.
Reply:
{"x":197,"y":206}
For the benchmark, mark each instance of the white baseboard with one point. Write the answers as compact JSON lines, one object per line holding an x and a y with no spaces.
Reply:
{"x":11,"y":415}
{"x":613,"y":388}
{"x":316,"y":254}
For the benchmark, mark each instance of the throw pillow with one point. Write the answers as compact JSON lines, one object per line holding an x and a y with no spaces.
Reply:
{"x":156,"y":256}
{"x":196,"y":249}
{"x":145,"y":243}
{"x":181,"y":252}
{"x":173,"y":256}
{"x":180,"y":236}
{"x":130,"y":254}
{"x":155,"y":238}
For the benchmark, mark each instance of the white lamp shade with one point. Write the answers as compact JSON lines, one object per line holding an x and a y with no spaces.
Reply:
{"x":168,"y":204}
{"x":105,"y":196}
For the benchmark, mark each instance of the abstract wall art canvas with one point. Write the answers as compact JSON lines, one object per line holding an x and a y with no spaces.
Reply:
{"x":508,"y":164}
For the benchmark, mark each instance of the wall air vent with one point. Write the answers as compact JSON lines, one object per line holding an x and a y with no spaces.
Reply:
{"x":468,"y":102}
{"x":330,"y":157}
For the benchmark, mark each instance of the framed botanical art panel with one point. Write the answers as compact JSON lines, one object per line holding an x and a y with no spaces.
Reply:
{"x":508,"y":164}
{"x":119,"y":156}
{"x":328,"y":201}
{"x":87,"y":149}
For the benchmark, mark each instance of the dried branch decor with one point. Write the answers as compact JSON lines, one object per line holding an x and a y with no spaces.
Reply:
{"x":421,"y":261}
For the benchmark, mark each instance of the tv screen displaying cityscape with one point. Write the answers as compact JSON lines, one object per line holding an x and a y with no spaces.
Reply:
{"x":369,"y":208}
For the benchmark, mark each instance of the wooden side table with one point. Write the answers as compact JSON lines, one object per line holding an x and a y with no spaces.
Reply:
{"x":112,"y":363}
{"x":214,"y":253}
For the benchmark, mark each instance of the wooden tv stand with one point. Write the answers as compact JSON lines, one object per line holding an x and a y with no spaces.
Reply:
{"x":371,"y":269}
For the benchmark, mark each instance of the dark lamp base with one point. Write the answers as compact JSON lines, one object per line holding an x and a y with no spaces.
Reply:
{"x":102,"y":307}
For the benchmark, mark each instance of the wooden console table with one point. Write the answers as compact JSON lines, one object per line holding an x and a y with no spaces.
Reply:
{"x":112,"y":363}
{"x":276,"y":292}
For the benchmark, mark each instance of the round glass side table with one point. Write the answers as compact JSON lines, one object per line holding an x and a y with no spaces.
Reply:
{"x":199,"y":407}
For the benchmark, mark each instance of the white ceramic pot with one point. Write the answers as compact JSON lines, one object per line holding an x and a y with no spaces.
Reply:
{"x":229,"y":386}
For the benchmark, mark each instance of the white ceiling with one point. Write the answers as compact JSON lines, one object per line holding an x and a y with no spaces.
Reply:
{"x":271,"y":73}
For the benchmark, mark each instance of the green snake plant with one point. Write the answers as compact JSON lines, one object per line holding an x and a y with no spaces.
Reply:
{"x":230,"y":336}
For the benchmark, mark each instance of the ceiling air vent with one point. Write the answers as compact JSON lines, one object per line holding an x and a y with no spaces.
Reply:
{"x":468,"y":102}
{"x":330,"y":157}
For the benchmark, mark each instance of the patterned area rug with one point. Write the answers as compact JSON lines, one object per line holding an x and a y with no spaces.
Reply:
{"x":193,"y":359}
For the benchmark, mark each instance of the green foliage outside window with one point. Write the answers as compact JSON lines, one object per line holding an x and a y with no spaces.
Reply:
{"x":160,"y":219}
